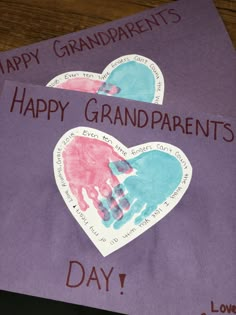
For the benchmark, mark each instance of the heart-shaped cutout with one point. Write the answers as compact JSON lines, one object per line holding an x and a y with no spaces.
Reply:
{"x":132,"y":77}
{"x":117,"y":193}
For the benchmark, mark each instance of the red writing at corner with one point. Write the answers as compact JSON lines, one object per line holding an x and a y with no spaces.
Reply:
{"x":221,"y":309}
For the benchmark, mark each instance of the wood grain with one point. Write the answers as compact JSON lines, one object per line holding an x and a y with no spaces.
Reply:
{"x":23,"y":22}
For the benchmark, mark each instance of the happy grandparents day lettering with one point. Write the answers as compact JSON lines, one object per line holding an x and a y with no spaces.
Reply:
{"x":96,"y":111}
{"x":61,"y":48}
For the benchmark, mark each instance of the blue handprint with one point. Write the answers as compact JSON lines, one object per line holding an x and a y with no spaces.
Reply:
{"x":135,"y":80}
{"x":155,"y":176}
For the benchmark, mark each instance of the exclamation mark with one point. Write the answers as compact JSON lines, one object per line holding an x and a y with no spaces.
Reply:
{"x":122,"y":281}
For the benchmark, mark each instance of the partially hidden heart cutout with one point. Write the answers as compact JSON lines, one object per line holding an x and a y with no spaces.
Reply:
{"x":117,"y":193}
{"x":132,"y":77}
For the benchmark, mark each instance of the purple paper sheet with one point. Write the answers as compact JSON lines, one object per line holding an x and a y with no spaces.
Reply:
{"x":184,"y":264}
{"x":183,"y":47}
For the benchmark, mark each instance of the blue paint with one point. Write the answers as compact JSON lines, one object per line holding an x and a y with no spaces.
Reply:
{"x":135,"y":80}
{"x":156,"y":176}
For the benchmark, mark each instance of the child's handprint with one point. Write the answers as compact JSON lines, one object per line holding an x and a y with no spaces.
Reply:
{"x":135,"y":80}
{"x":89,"y":85}
{"x":86,"y":167}
{"x":121,"y":196}
{"x":155,"y":176}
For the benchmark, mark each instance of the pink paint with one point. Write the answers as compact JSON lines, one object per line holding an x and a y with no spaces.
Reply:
{"x":86,"y":166}
{"x":88,"y":85}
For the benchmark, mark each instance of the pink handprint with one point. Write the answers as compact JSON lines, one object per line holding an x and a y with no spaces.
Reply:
{"x":86,"y":166}
{"x":89,"y":85}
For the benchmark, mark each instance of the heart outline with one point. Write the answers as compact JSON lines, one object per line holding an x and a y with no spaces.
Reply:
{"x":81,"y":217}
{"x":158,"y":76}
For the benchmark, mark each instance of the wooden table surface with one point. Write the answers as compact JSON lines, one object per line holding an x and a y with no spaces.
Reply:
{"x":24,"y":22}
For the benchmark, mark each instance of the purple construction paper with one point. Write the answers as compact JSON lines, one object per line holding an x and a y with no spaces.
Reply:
{"x":186,"y":39}
{"x":185,"y":264}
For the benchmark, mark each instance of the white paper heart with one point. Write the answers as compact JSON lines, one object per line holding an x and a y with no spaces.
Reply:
{"x":117,"y":193}
{"x":131,"y":76}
